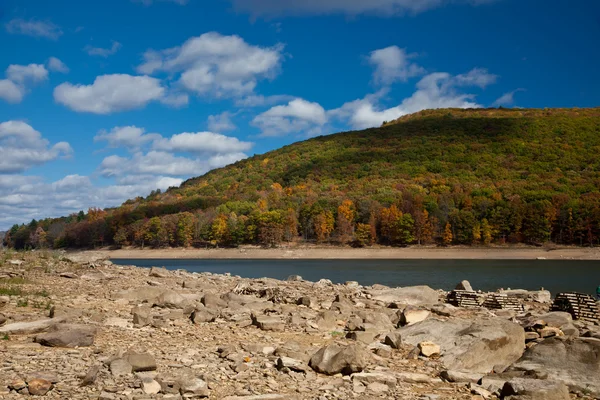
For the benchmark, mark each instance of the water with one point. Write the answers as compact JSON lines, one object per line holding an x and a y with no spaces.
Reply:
{"x":487,"y":275}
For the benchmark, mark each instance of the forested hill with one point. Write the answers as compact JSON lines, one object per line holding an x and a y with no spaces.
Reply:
{"x":447,"y":176}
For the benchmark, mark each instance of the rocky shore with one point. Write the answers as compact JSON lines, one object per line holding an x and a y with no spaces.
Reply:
{"x":81,"y":329}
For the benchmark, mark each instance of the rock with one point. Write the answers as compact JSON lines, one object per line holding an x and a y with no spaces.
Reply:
{"x":478,"y":390}
{"x":307,"y":301}
{"x":410,"y":296}
{"x":369,"y":320}
{"x":393,"y":339}
{"x":261,"y":397}
{"x":352,"y":284}
{"x":150,"y":386}
{"x":3,"y":319}
{"x":141,"y":362}
{"x":28,"y":327}
{"x":267,"y":323}
{"x":90,"y":376}
{"x":377,"y":387}
{"x":294,"y":278}
{"x":362,"y":336}
{"x":159,"y":272}
{"x":39,"y":387}
{"x":291,"y":364}
{"x":142,"y":316}
{"x":334,"y":359}
{"x":429,"y":349}
{"x":550,"y":331}
{"x":68,"y":275}
{"x":464,"y":285}
{"x":375,"y":377}
{"x":204,"y":315}
{"x":170,"y":299}
{"x":15,"y":262}
{"x":326,"y":321}
{"x":412,"y":315}
{"x":535,"y":389}
{"x":213,"y":301}
{"x":470,"y":345}
{"x":120,"y":367}
{"x":324,"y":282}
{"x":413,"y":377}
{"x":116,"y":322}
{"x":460,"y":377}
{"x":4,"y":300}
{"x":193,"y":387}
{"x":64,"y":335}
{"x":574,"y":362}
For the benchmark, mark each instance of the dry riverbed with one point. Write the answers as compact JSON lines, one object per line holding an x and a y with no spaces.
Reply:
{"x":79,"y":327}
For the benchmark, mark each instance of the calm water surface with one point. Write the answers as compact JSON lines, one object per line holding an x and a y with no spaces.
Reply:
{"x":487,"y":275}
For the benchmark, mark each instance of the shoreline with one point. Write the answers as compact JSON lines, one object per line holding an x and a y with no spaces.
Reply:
{"x":323,"y":253}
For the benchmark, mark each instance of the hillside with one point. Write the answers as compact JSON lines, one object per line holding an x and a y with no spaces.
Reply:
{"x":449,"y":176}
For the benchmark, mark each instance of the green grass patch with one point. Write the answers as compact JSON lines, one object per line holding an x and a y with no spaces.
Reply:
{"x":10,"y":291}
{"x":14,"y":281}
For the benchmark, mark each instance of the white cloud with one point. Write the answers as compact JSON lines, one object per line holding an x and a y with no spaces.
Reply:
{"x":130,"y":137}
{"x":221,"y":122}
{"x":110,"y":93}
{"x":507,"y":99}
{"x":22,"y":147}
{"x":102,"y":52}
{"x":55,"y":65}
{"x":202,"y":142}
{"x":175,"y":99}
{"x":260,"y":100}
{"x":26,"y":73}
{"x":215,"y":65}
{"x":436,"y":90}
{"x":297,"y":116}
{"x":272,"y":8}
{"x":34,"y":28}
{"x":393,"y":64}
{"x":10,"y":91}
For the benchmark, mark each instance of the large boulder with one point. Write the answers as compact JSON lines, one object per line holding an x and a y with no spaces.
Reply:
{"x":534,"y":389}
{"x":410,"y":296}
{"x":66,"y":335}
{"x":575,"y":362}
{"x":470,"y":345}
{"x":334,"y":359}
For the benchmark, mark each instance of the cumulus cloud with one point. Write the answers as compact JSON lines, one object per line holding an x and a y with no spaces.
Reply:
{"x":507,"y":99}
{"x":298,"y":115}
{"x":273,"y":8}
{"x":33,"y":27}
{"x":215,"y":65}
{"x":10,"y":91}
{"x":22,"y":147}
{"x":202,"y":142}
{"x":26,"y":73}
{"x":261,"y":101}
{"x":110,"y":93}
{"x":102,"y":52}
{"x":130,"y":137}
{"x":55,"y":65}
{"x":221,"y":122}
{"x":393,"y":64}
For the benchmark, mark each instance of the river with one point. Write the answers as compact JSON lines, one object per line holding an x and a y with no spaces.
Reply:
{"x":487,"y":275}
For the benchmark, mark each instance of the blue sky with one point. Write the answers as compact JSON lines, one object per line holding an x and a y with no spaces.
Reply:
{"x":104,"y":101}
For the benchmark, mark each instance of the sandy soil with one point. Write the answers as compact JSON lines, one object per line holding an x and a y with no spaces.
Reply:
{"x":306,"y":252}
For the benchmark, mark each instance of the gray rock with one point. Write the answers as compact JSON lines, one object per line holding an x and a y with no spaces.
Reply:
{"x":362,"y":336}
{"x":291,"y":364}
{"x":393,"y":339}
{"x":410,"y":296}
{"x":460,"y":377}
{"x":64,"y":335}
{"x":204,"y":315}
{"x":326,"y":321}
{"x":464,"y":285}
{"x":150,"y":386}
{"x":142,"y":316}
{"x":159,"y":272}
{"x":170,"y":299}
{"x":414,"y":377}
{"x":470,"y":345}
{"x":191,"y":386}
{"x":334,"y":359}
{"x":294,"y":278}
{"x":143,"y":294}
{"x":535,"y":389}
{"x":213,"y":301}
{"x":267,"y":323}
{"x":28,"y":327}
{"x":575,"y":362}
{"x":90,"y":376}
{"x":375,"y":377}
{"x":120,"y":367}
{"x":412,"y":315}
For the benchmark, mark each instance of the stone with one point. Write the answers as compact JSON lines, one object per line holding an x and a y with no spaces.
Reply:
{"x":150,"y":386}
{"x":28,"y":327}
{"x":377,"y":387}
{"x":464,"y":285}
{"x":213,"y":301}
{"x":140,"y":295}
{"x":159,"y":272}
{"x":63,"y":335}
{"x":460,"y":376}
{"x":91,"y":376}
{"x":333,"y":359}
{"x":410,"y":296}
{"x":369,"y":320}
{"x":415,"y":377}
{"x":291,"y":364}
{"x":39,"y":387}
{"x":429,"y":349}
{"x":141,"y":362}
{"x":535,"y":389}
{"x":478,"y":390}
{"x":574,"y":362}
{"x":267,"y":323}
{"x":550,"y":331}
{"x":204,"y":315}
{"x":170,"y":299}
{"x":294,"y":278}
{"x":393,"y":339}
{"x":375,"y":377}
{"x":307,"y":301}
{"x":470,"y":345}
{"x":3,"y":319}
{"x":362,"y":336}
{"x":412,"y":315}
{"x":261,"y":397}
{"x":326,"y":321}
{"x":193,"y":387}
{"x":120,"y":367}
{"x":116,"y":322}
{"x":142,"y":316}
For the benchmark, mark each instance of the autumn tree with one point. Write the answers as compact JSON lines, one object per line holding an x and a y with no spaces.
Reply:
{"x":345,"y":221}
{"x":270,"y":227}
{"x":363,"y":235}
{"x":447,"y":235}
{"x":185,"y":229}
{"x":323,"y":225}
{"x":424,"y":227}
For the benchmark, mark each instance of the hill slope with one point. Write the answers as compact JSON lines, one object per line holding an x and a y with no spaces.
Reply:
{"x":451,"y":176}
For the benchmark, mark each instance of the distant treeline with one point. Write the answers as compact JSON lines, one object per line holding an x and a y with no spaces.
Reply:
{"x":444,"y":176}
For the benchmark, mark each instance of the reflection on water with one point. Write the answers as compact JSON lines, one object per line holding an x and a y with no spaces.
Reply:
{"x":487,"y":275}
